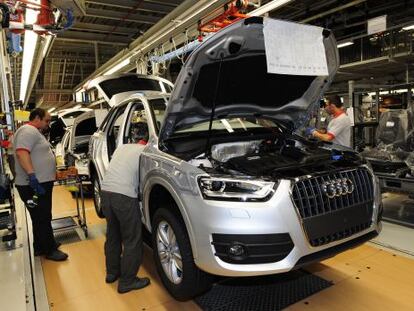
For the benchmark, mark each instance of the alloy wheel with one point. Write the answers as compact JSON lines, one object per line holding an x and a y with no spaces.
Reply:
{"x":169,"y":252}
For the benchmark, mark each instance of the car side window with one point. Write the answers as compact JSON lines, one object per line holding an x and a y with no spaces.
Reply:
{"x":65,"y":140}
{"x":113,"y":129}
{"x":136,"y":130}
{"x":168,"y":88}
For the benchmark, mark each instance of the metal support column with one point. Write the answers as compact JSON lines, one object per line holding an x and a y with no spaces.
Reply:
{"x":96,"y":55}
{"x":351,"y":88}
{"x":63,"y":78}
{"x":409,"y":92}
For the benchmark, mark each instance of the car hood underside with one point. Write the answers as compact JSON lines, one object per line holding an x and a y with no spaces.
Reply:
{"x":227,"y":76}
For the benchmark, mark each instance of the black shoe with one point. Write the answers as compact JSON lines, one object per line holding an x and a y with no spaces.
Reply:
{"x":57,"y":255}
{"x":38,"y":252}
{"x":110,"y":278}
{"x":138,"y":283}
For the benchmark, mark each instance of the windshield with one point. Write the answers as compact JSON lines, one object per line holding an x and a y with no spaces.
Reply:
{"x":234,"y":125}
{"x":127,"y":84}
{"x":86,"y":127}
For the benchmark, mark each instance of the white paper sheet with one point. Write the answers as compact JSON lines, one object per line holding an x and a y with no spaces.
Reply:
{"x":377,"y":24}
{"x":350,"y":114}
{"x":294,"y":49}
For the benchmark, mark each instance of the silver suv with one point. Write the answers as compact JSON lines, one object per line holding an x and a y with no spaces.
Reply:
{"x":126,"y":122}
{"x":227,"y":186}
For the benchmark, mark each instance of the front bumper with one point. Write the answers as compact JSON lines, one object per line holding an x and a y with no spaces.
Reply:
{"x":278,"y":216}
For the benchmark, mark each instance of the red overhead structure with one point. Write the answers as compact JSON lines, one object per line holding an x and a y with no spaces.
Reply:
{"x":232,"y":13}
{"x":45,"y":17}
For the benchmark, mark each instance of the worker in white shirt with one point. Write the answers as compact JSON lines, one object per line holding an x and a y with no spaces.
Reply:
{"x":123,"y":246}
{"x":339,"y":128}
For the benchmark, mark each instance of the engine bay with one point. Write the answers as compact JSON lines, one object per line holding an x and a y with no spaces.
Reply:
{"x":275,"y":158}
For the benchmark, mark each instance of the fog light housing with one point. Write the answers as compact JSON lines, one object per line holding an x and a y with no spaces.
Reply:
{"x":237,"y":251}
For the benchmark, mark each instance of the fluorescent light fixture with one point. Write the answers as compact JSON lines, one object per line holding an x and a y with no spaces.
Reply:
{"x":30,"y":41}
{"x":51,"y":109}
{"x":272,"y":5}
{"x":118,"y":67}
{"x":409,"y":27}
{"x":343,"y":44}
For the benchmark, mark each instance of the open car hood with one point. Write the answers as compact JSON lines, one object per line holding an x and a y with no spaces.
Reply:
{"x":232,"y":64}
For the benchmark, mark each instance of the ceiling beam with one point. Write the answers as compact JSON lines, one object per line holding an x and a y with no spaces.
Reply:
{"x":328,"y":12}
{"x":185,"y":16}
{"x":166,"y":2}
{"x":132,"y":4}
{"x":121,"y":16}
{"x":94,"y":36}
{"x":104,"y":28}
{"x":55,"y":91}
{"x":73,"y":58}
{"x":55,"y":73}
{"x":91,"y":38}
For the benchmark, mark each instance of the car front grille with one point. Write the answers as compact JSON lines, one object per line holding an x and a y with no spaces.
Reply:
{"x":325,"y":218}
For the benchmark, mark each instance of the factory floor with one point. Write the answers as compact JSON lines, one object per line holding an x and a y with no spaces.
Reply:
{"x":375,"y":276}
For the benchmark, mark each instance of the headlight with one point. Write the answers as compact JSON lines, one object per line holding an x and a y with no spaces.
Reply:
{"x":215,"y":188}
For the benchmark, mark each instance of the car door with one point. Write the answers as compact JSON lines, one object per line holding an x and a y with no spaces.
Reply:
{"x":98,"y":150}
{"x":61,"y":149}
{"x":114,"y":128}
{"x":135,"y":127}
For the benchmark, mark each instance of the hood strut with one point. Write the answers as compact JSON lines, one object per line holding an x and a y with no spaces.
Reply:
{"x":213,"y":110}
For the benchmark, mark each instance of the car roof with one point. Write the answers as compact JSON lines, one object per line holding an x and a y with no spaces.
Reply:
{"x":118,"y":98}
{"x":100,"y":79}
{"x":64,"y":112}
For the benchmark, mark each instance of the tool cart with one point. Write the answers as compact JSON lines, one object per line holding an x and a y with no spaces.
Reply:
{"x":69,"y":177}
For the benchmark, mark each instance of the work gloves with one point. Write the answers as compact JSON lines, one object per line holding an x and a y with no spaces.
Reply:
{"x":35,"y":185}
{"x":309,"y":131}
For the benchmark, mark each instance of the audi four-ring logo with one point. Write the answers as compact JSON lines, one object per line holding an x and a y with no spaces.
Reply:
{"x":338,"y":187}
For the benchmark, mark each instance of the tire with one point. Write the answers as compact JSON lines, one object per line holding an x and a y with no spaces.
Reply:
{"x":97,"y":196}
{"x":193,"y":280}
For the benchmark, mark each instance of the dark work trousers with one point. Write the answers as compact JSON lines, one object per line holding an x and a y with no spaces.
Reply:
{"x":124,"y":226}
{"x":41,"y":215}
